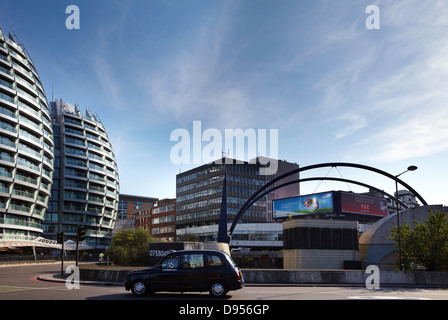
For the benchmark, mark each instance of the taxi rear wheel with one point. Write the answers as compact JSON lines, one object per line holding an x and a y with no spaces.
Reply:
{"x":217,"y":289}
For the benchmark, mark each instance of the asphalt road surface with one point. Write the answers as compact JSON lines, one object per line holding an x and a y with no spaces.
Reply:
{"x":21,"y":283}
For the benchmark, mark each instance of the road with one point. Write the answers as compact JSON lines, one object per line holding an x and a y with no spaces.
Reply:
{"x":20,"y":283}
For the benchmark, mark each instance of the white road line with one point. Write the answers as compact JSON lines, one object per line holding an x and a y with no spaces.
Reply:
{"x":384,"y":298}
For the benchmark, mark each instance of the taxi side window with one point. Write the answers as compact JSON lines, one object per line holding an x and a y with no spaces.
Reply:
{"x":214,"y":261}
{"x":171,"y":262}
{"x":193,"y":261}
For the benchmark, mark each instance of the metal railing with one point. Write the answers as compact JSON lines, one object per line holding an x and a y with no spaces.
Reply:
{"x":16,"y":258}
{"x":21,"y":240}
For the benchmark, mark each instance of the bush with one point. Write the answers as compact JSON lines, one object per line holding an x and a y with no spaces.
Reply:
{"x":130,"y":247}
{"x":426,"y":245}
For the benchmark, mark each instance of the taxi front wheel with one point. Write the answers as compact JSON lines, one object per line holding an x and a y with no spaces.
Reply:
{"x":139,"y":288}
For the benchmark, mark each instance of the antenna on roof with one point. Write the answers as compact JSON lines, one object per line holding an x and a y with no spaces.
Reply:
{"x":98,"y":118}
{"x":11,"y":37}
{"x":16,"y":40}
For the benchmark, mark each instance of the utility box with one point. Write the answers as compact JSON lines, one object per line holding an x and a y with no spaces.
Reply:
{"x":157,"y":250}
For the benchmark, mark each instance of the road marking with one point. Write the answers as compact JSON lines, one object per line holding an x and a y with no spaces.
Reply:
{"x":17,"y":288}
{"x":384,"y":298}
{"x":12,"y":289}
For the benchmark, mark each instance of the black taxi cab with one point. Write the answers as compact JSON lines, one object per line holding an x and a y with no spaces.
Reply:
{"x":188,"y":271}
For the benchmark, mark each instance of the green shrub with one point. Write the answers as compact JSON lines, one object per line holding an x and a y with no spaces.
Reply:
{"x":130,"y":247}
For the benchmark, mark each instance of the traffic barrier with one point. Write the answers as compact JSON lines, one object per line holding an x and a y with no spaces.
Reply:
{"x":301,"y":277}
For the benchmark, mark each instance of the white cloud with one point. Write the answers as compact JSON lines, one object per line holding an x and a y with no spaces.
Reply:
{"x":411,"y":124}
{"x":352,"y":124}
{"x":108,"y":79}
{"x":406,"y":100}
{"x":108,"y":39}
{"x":422,"y":134}
{"x":196,"y":83}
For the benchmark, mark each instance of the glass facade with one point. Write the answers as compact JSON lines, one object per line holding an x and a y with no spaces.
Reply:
{"x":26,"y":143}
{"x":136,"y":202}
{"x":86,"y":182}
{"x":199,"y":194}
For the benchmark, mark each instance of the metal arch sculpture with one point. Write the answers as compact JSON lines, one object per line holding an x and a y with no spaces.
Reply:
{"x":318,"y":179}
{"x":249,"y":202}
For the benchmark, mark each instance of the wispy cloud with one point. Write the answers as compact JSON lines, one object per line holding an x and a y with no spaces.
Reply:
{"x":107,"y":78}
{"x":413,"y":104}
{"x":107,"y":40}
{"x":196,"y":83}
{"x":392,"y":95}
{"x":417,"y":135}
{"x":352,"y":123}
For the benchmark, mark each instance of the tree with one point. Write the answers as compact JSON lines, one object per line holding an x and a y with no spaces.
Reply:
{"x":130,"y":247}
{"x":426,"y":245}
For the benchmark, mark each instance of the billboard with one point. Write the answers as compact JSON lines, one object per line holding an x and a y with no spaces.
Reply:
{"x":354,"y":203}
{"x":303,"y":205}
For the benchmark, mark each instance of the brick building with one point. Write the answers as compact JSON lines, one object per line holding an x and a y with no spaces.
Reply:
{"x":160,"y":219}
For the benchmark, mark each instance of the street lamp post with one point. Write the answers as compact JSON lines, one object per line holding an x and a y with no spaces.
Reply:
{"x":410,"y":168}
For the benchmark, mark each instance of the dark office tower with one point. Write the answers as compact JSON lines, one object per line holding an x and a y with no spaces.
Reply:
{"x":86,"y":184}
{"x":199,"y":193}
{"x":26,"y":143}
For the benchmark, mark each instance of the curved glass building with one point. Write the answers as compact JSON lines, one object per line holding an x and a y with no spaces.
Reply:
{"x":86,"y":183}
{"x":26,"y":143}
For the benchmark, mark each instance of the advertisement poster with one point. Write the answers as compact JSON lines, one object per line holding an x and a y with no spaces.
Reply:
{"x":353,"y":203}
{"x":308,"y":204}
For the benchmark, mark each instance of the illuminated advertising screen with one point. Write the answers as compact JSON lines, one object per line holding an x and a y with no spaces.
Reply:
{"x":354,"y":203}
{"x":302,"y":205}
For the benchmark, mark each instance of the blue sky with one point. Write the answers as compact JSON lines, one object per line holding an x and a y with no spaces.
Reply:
{"x":335,"y":90}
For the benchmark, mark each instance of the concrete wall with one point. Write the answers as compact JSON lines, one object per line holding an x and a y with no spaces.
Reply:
{"x":113,"y":276}
{"x":317,"y":259}
{"x":224,"y":247}
{"x":305,"y":277}
{"x":375,"y":248}
{"x":343,"y":277}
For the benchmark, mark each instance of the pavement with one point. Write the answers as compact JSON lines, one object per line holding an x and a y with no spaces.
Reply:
{"x":58,"y":277}
{"x":63,"y":278}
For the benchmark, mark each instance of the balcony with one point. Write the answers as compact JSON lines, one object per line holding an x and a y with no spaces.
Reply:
{"x":7,"y":98}
{"x":21,"y":207}
{"x":17,"y":222}
{"x":23,"y":194}
{"x":8,"y":144}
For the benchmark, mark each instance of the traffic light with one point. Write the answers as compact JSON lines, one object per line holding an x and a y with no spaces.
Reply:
{"x":60,"y":237}
{"x":81,"y":233}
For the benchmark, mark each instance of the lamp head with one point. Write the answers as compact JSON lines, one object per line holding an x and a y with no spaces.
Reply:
{"x":412,"y":168}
